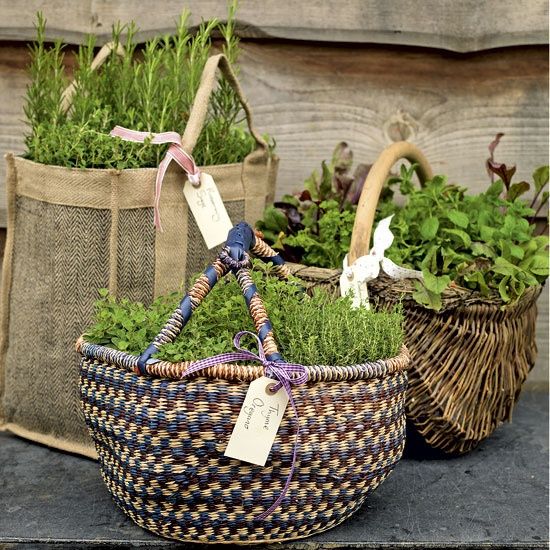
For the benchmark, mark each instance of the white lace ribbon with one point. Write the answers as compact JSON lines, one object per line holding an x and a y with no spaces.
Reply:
{"x":354,"y":277}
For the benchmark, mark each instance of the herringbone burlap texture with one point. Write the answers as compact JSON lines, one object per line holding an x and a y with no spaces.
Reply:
{"x":62,"y":253}
{"x":73,"y":231}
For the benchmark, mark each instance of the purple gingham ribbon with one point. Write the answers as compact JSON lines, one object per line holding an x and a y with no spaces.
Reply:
{"x":287,"y":374}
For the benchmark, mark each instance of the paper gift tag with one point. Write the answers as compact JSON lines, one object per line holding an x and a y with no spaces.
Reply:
{"x":207,"y":206}
{"x":258,"y":422}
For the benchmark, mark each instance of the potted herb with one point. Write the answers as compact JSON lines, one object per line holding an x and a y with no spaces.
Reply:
{"x":82,"y":203}
{"x":471,"y":317}
{"x":213,"y":435}
{"x":312,"y":330}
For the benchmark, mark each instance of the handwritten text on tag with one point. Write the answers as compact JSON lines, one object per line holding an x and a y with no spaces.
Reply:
{"x":258,"y":422}
{"x":208,"y":209}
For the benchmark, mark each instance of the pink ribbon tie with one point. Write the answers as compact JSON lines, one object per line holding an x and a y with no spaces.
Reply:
{"x":175,"y":153}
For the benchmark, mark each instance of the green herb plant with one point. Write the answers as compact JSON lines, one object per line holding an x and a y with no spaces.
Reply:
{"x":485,"y":243}
{"x":314,"y":225}
{"x":148,"y":89}
{"x":320,"y":329}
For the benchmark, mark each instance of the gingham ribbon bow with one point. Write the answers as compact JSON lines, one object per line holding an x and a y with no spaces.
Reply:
{"x":287,"y":375}
{"x":175,"y":153}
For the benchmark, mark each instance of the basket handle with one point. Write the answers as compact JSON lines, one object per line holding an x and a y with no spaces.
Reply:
{"x":378,"y":174}
{"x":197,"y":116}
{"x":99,"y":59}
{"x":233,"y":257}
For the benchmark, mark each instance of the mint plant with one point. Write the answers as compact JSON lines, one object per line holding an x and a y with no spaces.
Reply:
{"x":485,"y":243}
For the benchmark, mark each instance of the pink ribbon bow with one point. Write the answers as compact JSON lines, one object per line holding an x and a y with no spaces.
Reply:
{"x":175,"y":153}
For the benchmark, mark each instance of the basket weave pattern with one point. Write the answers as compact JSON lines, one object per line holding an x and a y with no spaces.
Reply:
{"x":160,"y":444}
{"x":468,"y":360}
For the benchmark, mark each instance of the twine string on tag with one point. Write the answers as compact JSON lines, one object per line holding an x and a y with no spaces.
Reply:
{"x":175,"y":153}
{"x":286,"y":374}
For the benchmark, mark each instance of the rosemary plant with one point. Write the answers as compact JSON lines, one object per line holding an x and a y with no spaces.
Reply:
{"x":149,"y":89}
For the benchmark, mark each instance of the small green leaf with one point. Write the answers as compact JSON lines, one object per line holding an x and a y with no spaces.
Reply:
{"x":478,"y":278}
{"x":275,"y":220}
{"x":516,"y":190}
{"x":462,"y":236}
{"x":325,"y":187}
{"x":482,"y":249}
{"x":540,"y":177}
{"x":436,"y":284}
{"x":503,"y":289}
{"x":290,"y":199}
{"x":495,"y":189}
{"x":426,"y":297}
{"x":516,"y":251}
{"x":311,"y":184}
{"x":539,"y":265}
{"x":458,"y":218}
{"x":429,"y":227}
{"x":504,"y":267}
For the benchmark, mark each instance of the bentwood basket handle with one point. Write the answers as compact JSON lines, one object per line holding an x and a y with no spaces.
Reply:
{"x":202,"y":100}
{"x":233,"y":257}
{"x":378,"y":174}
{"x":99,"y":59}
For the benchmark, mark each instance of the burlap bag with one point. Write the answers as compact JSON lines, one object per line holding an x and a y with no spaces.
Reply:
{"x":72,"y":231}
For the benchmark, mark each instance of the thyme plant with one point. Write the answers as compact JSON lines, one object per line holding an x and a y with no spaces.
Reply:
{"x":320,"y":330}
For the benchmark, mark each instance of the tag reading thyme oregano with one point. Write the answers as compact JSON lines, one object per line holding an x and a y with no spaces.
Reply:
{"x":258,"y":422}
{"x":207,"y":207}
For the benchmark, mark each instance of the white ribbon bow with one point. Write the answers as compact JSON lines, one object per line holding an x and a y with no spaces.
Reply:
{"x":354,"y":277}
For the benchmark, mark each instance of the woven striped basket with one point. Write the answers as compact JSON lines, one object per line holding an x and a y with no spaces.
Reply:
{"x":161,"y":438}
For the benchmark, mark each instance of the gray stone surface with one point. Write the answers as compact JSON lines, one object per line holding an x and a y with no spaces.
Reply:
{"x":495,"y":497}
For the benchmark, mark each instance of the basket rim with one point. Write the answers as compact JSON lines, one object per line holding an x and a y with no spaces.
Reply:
{"x":244,"y":371}
{"x":453,"y":297}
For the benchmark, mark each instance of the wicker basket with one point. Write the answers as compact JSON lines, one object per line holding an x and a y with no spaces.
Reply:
{"x":161,"y":439}
{"x":468,"y":360}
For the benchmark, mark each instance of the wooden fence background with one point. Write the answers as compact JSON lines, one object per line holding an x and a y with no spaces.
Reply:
{"x":444,"y":74}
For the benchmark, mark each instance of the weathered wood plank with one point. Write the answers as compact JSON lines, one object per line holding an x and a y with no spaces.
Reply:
{"x":451,"y":106}
{"x":309,"y":98}
{"x":468,"y":25}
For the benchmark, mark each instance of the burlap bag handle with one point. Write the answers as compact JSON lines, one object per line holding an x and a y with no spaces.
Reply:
{"x":378,"y":174}
{"x":99,"y":59}
{"x":202,"y":99}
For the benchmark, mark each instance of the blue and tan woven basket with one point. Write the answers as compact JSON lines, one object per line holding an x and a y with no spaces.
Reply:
{"x":161,"y":438}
